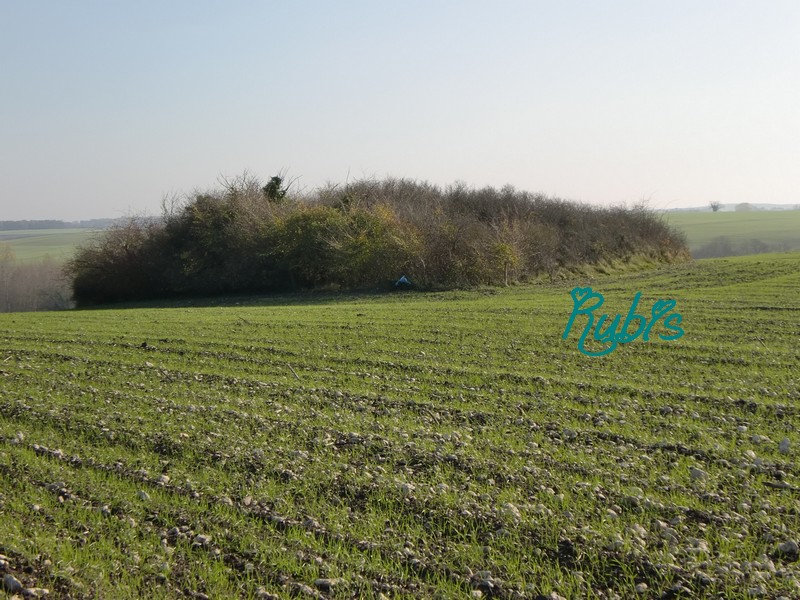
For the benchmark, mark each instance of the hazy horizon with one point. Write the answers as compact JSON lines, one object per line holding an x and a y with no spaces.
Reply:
{"x":156,"y":211}
{"x":111,"y":106}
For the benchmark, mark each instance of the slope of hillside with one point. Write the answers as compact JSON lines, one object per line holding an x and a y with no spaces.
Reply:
{"x":35,"y":244}
{"x":410,"y":445}
{"x":773,"y":230}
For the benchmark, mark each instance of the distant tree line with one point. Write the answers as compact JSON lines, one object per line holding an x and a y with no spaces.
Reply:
{"x":30,"y":286}
{"x":53,"y":224}
{"x":248,"y":237}
{"x":724,"y":246}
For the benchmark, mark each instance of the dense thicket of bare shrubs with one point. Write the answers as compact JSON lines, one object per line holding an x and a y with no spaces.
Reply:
{"x":246,"y":237}
{"x":29,"y":286}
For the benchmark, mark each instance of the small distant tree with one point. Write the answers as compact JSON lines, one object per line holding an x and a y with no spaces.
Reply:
{"x":275,"y":191}
{"x":506,"y":255}
{"x":715,"y":206}
{"x":744,"y":207}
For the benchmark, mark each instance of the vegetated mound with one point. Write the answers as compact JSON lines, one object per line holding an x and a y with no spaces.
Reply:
{"x":249,"y":237}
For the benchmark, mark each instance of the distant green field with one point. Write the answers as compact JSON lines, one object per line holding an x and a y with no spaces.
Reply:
{"x":35,"y":244}
{"x":770,"y":227}
{"x":410,"y":445}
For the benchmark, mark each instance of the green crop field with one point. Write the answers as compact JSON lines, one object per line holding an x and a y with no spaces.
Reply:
{"x":770,"y":227}
{"x":410,"y":445}
{"x":36,"y":244}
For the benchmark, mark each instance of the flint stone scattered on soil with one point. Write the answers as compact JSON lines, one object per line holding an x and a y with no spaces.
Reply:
{"x":11,"y":584}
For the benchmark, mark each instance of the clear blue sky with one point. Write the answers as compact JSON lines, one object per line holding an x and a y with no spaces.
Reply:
{"x":108,"y":105}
